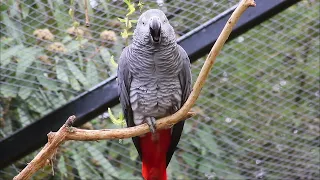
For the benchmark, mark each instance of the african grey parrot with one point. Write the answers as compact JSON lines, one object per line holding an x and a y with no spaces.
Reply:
{"x":154,"y":80}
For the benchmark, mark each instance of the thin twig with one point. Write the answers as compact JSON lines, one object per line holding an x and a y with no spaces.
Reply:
{"x":86,"y":13}
{"x":66,"y":132}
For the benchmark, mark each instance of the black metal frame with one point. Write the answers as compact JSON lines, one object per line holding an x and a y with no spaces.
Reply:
{"x":96,"y":101}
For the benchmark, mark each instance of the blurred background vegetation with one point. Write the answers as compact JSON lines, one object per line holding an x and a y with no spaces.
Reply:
{"x":258,"y":116}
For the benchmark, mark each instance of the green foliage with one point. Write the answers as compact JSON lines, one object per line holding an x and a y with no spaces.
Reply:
{"x":117,"y":121}
{"x":140,"y":5}
{"x":45,"y":68}
{"x":259,"y":119}
{"x":126,"y":33}
{"x":131,"y":7}
{"x":39,"y":64}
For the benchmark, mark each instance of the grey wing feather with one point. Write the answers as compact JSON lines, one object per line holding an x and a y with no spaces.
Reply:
{"x":185,"y":83}
{"x":124,"y":83}
{"x":185,"y":76}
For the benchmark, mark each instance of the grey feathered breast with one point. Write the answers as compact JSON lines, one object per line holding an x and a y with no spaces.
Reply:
{"x":155,"y":88}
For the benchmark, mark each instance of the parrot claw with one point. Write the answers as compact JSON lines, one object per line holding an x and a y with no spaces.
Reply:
{"x":151,"y":121}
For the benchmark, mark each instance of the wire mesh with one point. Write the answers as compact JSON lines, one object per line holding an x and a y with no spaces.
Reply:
{"x":257,"y":117}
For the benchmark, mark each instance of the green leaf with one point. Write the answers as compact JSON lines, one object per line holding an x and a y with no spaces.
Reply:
{"x":23,"y":117}
{"x":60,"y":17}
{"x":60,"y":97}
{"x":124,"y":34}
{"x":129,"y":24}
{"x":11,"y":28}
{"x":203,"y":150}
{"x":209,"y":141}
{"x":66,"y":39}
{"x":73,"y":46}
{"x":133,"y":153}
{"x":3,"y":7}
{"x":41,"y":7}
{"x":187,"y":128}
{"x":105,"y":54}
{"x":36,"y":105}
{"x":98,"y":156}
{"x":53,"y":99}
{"x":25,"y":10}
{"x":113,"y":62}
{"x":62,"y":167}
{"x":92,"y":73}
{"x":133,"y":21}
{"x":205,"y":166}
{"x":14,"y":10}
{"x":105,"y":6}
{"x":237,"y":176}
{"x":44,"y":98}
{"x":24,"y":92}
{"x":71,"y":12}
{"x":234,"y":145}
{"x":131,"y":7}
{"x":25,"y":58}
{"x":140,"y":5}
{"x":114,"y":119}
{"x":7,"y":54}
{"x":113,"y":154}
{"x":189,"y":158}
{"x":127,"y":2}
{"x":77,"y":73}
{"x":93,"y":169}
{"x":8,"y":90}
{"x":48,"y":83}
{"x":81,"y":168}
{"x":125,"y":174}
{"x":173,"y":167}
{"x":108,"y":59}
{"x":6,"y":41}
{"x":74,"y":84}
{"x":62,"y":74}
{"x":80,"y":60}
{"x":121,"y":117}
{"x":123,"y":20}
{"x":195,"y":143}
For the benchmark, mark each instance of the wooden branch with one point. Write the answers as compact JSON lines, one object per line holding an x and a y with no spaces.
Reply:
{"x":66,"y":132}
{"x":47,"y":152}
{"x":103,"y":134}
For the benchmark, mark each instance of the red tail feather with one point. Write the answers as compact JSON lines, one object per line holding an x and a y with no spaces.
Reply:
{"x":154,"y":149}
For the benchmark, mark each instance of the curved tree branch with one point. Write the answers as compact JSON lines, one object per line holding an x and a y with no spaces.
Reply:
{"x":66,"y":132}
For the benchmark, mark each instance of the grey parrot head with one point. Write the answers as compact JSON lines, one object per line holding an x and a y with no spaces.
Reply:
{"x":154,"y":28}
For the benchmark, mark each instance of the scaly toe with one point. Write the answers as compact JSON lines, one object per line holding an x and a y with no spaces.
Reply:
{"x":151,"y":121}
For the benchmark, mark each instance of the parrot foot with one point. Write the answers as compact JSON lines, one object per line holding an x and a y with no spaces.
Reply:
{"x":151,"y":121}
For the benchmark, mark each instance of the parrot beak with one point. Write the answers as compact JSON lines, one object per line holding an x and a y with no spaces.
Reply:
{"x":155,"y":29}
